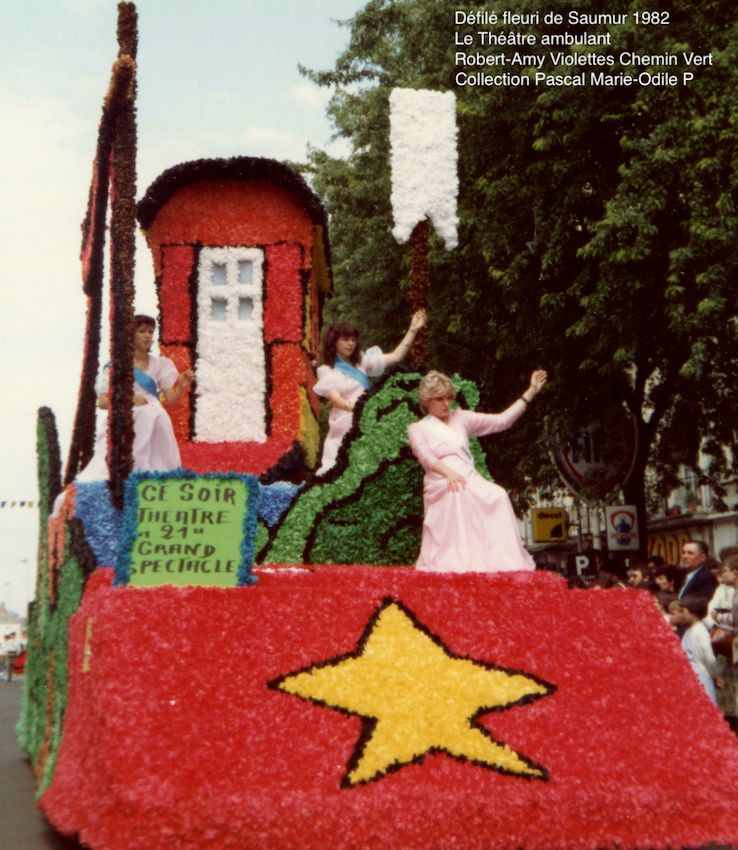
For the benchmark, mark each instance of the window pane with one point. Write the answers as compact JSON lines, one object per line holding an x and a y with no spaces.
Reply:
{"x":245,"y":272}
{"x":219,"y":274}
{"x":218,"y":309}
{"x":245,"y":308}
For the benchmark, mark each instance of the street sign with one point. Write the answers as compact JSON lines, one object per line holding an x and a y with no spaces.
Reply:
{"x":598,"y":459}
{"x":580,"y":564}
{"x":549,"y":525}
{"x":622,"y":528}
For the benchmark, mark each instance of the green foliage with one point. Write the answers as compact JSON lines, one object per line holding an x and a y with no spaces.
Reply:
{"x":379,"y":440}
{"x":598,"y":232}
{"x":31,"y":726}
{"x":58,"y":596}
{"x":262,"y":536}
{"x":391,"y":526}
{"x":46,"y":678}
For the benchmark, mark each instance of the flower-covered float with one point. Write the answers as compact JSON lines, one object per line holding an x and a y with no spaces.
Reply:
{"x":235,"y":656}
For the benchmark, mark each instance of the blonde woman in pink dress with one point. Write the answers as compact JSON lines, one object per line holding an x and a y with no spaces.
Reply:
{"x":469,"y":524}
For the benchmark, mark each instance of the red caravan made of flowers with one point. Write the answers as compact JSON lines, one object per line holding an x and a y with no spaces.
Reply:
{"x":261,"y":210}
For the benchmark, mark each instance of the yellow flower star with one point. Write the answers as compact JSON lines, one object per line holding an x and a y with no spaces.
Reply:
{"x":416,"y":697}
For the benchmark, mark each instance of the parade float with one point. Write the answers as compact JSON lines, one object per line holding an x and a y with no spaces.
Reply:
{"x":239,"y":655}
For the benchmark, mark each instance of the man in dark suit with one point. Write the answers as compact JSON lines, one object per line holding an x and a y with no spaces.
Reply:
{"x":698,"y":579}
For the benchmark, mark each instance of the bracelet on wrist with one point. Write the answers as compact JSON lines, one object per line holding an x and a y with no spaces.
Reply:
{"x":524,"y":399}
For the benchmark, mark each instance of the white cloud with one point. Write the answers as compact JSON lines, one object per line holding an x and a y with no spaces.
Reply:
{"x":44,"y":184}
{"x":86,"y":8}
{"x":278,"y":144}
{"x":338,"y":148}
{"x":310,"y":95}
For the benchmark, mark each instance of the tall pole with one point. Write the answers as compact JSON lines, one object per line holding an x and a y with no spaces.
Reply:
{"x":123,"y":247}
{"x":417,"y":294}
{"x":92,"y":256}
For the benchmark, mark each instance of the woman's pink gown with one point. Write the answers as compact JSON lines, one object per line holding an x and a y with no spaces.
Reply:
{"x":473,"y":529}
{"x":339,"y":421}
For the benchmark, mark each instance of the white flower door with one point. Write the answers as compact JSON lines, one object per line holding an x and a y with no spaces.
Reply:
{"x":231,"y":367}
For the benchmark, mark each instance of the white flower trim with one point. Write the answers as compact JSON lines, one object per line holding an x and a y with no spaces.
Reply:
{"x":231,"y":363}
{"x":425,"y":181}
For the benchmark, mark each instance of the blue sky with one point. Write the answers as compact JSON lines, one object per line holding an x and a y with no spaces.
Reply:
{"x":216,"y":78}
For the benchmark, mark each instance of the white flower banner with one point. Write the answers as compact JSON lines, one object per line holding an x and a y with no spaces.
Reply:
{"x":425,"y":182}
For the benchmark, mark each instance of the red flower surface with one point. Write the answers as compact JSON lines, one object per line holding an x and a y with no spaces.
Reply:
{"x":230,"y":213}
{"x":192,"y":729}
{"x":233,"y":457}
{"x":284,"y":309}
{"x":289,"y":372}
{"x":234,"y":213}
{"x":175,"y":298}
{"x":179,"y":413}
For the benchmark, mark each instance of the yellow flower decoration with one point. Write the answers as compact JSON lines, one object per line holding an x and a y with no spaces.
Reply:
{"x":416,"y":697}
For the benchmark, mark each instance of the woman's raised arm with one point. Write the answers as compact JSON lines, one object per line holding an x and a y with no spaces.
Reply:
{"x":400,"y":353}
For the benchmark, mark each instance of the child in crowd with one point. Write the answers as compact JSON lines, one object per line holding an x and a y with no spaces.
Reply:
{"x":665,"y":598}
{"x":720,"y":609}
{"x":690,"y":612}
{"x":723,"y":609}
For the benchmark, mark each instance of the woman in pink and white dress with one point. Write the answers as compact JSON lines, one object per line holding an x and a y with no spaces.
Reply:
{"x":469,"y":523}
{"x":344,"y":377}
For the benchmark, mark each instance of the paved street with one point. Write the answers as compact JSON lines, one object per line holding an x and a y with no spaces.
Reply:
{"x":22,"y":826}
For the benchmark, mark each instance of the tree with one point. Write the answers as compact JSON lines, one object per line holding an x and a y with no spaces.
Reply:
{"x":598,"y":230}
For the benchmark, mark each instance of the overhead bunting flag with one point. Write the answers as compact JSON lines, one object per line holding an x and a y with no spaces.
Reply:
{"x":352,"y":707}
{"x":23,"y":503}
